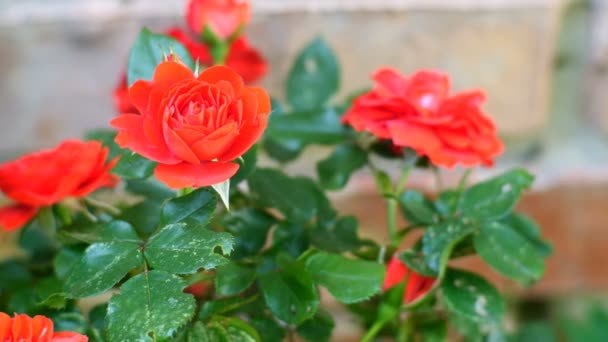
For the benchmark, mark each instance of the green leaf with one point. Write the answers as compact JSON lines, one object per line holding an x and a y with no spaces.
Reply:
{"x":530,"y":230}
{"x":232,"y":279}
{"x":337,"y":237}
{"x":290,"y":293}
{"x":417,"y":262}
{"x":321,"y":126}
{"x":106,"y":262}
{"x":295,"y":197}
{"x":247,"y":164}
{"x":195,"y":208}
{"x":269,"y":330}
{"x":282,"y":150}
{"x":417,"y":209}
{"x":151,"y":306}
{"x":290,"y":237}
{"x":13,"y":275}
{"x":238,"y":330}
{"x":223,"y":306}
{"x":317,"y":329}
{"x":348,"y":280}
{"x":133,"y":166}
{"x":495,"y":198}
{"x":539,"y":331}
{"x":50,"y":292}
{"x":213,"y":332}
{"x":473,"y":297}
{"x":223,"y":190}
{"x":314,"y":77}
{"x":250,"y":227}
{"x":509,"y":253}
{"x":335,"y":170}
{"x":433,"y":331}
{"x":383,"y":183}
{"x":439,"y":240}
{"x":149,"y":50}
{"x":69,"y":321}
{"x":183,"y":249}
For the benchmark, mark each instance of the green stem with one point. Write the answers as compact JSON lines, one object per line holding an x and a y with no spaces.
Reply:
{"x":463,"y":181}
{"x":373,"y":331}
{"x":219,"y":53}
{"x":392,"y":204}
{"x":402,"y":180}
{"x":392,"y":221}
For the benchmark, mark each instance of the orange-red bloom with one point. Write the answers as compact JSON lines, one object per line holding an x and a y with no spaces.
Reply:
{"x":193,"y":126}
{"x":23,"y":328}
{"x":418,"y":112}
{"x":72,"y":169}
{"x":244,"y":59}
{"x":223,"y":17}
{"x":417,"y":285}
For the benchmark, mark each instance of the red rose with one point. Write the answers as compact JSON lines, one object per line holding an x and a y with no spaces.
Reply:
{"x":194,"y":127}
{"x":417,"y":285}
{"x":24,"y":328}
{"x":419,"y":113}
{"x":72,"y":169}
{"x":245,"y":60}
{"x":223,"y":17}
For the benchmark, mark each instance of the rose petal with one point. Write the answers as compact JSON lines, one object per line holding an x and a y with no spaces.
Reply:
{"x":131,"y":135}
{"x":246,"y":61}
{"x":172,"y":72}
{"x":412,"y":135}
{"x":217,"y":143}
{"x":417,"y":286}
{"x":15,"y":216}
{"x":219,"y":73}
{"x":178,"y":147}
{"x":139,"y":94}
{"x":186,"y":175}
{"x":6,"y":323}
{"x":42,"y":329}
{"x":22,"y":328}
{"x":395,"y":273}
{"x":389,"y":81}
{"x":66,"y":336}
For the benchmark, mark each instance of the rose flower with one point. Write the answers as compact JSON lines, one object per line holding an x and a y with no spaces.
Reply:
{"x":23,"y":328}
{"x":244,"y":59}
{"x":193,"y":126}
{"x":72,"y":169}
{"x":223,"y":17}
{"x":417,"y":285}
{"x":418,"y":112}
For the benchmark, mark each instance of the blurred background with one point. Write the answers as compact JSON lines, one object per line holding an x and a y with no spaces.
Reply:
{"x":543,"y":64}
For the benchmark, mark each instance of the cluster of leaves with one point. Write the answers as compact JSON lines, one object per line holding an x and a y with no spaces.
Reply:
{"x":179,"y":266}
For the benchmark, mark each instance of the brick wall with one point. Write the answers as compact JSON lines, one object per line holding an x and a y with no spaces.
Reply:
{"x":543,"y":63}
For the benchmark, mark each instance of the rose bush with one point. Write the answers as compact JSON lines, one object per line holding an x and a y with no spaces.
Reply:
{"x":177,"y":266}
{"x":193,"y":126}
{"x":72,"y":169}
